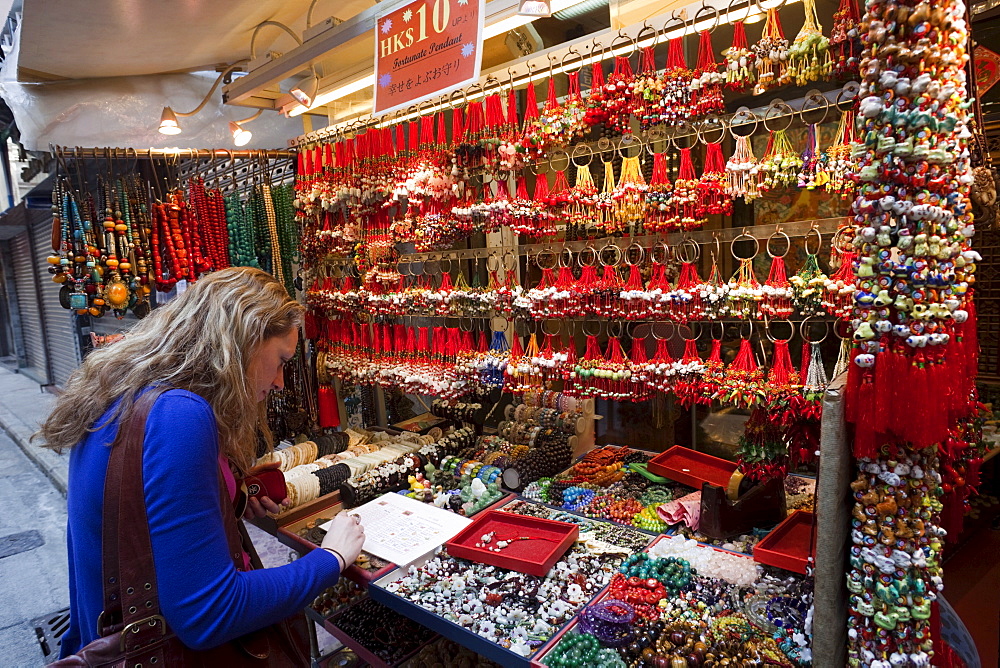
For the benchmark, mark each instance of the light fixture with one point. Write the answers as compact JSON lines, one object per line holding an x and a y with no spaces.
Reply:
{"x":168,"y":122}
{"x":298,"y":91}
{"x":242,"y":136}
{"x":334,"y":94}
{"x":168,"y":117}
{"x":517,"y":20}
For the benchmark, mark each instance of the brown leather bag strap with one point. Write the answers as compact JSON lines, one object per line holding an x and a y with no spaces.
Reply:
{"x":131,"y":602}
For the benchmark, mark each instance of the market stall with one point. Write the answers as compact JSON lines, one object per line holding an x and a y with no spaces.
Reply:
{"x":663,"y":335}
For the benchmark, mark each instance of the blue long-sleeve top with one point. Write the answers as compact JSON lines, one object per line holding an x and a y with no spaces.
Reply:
{"x":203,"y":598}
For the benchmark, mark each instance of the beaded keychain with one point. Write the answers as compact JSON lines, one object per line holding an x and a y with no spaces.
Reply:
{"x":712,"y":192}
{"x":676,"y":106}
{"x":836,"y":161}
{"x":707,"y":80}
{"x":771,"y":55}
{"x":743,"y":381}
{"x":740,"y":63}
{"x":781,"y":163}
{"x":647,"y":87}
{"x":607,"y":220}
{"x":809,"y":54}
{"x":657,"y":219}
{"x":840,"y":286}
{"x":742,"y":169}
{"x":715,"y":291}
{"x":689,"y":373}
{"x":810,"y":175}
{"x":846,"y":40}
{"x":684,"y":201}
{"x":617,"y":102}
{"x":630,"y":192}
{"x":596,"y":112}
{"x":777,"y":291}
{"x":809,"y":284}
{"x":745,"y":292}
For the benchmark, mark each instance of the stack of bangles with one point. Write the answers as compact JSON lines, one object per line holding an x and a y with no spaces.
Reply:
{"x":469,"y":467}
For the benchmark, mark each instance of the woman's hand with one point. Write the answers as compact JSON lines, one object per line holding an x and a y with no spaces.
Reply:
{"x":261,"y":507}
{"x":345,"y":536}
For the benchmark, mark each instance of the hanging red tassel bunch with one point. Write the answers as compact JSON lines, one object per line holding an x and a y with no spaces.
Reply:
{"x":617,"y":100}
{"x":658,"y":218}
{"x":707,"y":80}
{"x":647,"y":91}
{"x":713,"y":193}
{"x":676,"y":105}
{"x":743,"y":384}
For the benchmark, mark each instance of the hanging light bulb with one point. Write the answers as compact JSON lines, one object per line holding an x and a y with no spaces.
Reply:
{"x":168,"y":122}
{"x":299,"y":91}
{"x":241,"y":137}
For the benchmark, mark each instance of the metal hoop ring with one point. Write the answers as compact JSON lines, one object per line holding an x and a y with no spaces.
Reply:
{"x":708,"y":118}
{"x":847,"y":328}
{"x":603,"y":146}
{"x":621,"y":149}
{"x":803,"y":330}
{"x":547,"y":252}
{"x":573,"y":155}
{"x":652,"y":136}
{"x":706,"y":7}
{"x":666,"y":252}
{"x":744,"y":113}
{"x":722,"y":330}
{"x":583,"y":328}
{"x":501,"y":328}
{"x":562,"y":61}
{"x":399,"y":267}
{"x":841,"y":241}
{"x":621,"y":328}
{"x":763,"y":9}
{"x":674,"y":16}
{"x":730,"y":13}
{"x":756,"y":245}
{"x":848,"y":94}
{"x":677,"y":133}
{"x":494,"y":258}
{"x":459,"y":93}
{"x":642,"y":30}
{"x":413,"y":271}
{"x":639,"y":248}
{"x":545,"y":330}
{"x":621,"y":35}
{"x":592,"y":253}
{"x":767,"y":330}
{"x":776,"y":106}
{"x":552,"y":160}
{"x":509,"y":266}
{"x":441,"y":265}
{"x":435,"y":263}
{"x":563,"y":252}
{"x":681,"y":250}
{"x":818,"y":98}
{"x":788,"y":243}
{"x":652,"y":329}
{"x":695,"y":333}
{"x":461,"y":322}
{"x":819,"y":240}
{"x":618,"y":257}
{"x":739,"y":328}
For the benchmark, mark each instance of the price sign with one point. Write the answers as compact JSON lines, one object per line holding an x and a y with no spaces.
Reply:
{"x":426,"y":48}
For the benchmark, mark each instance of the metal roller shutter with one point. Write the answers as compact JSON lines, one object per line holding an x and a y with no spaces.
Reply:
{"x":26,"y":287}
{"x":60,"y":324}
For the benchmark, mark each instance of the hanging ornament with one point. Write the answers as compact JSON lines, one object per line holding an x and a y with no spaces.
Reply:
{"x":684,"y":200}
{"x":845,"y":40}
{"x":676,"y":105}
{"x":781,"y":163}
{"x":596,"y":113}
{"x":742,"y":170}
{"x":581,"y":212}
{"x":647,"y":87}
{"x":617,"y":98}
{"x":630,"y":192}
{"x":712,"y":193}
{"x":714,"y":291}
{"x":771,"y":55}
{"x":809,"y":54}
{"x":743,"y":383}
{"x":607,"y":220}
{"x":810,"y":175}
{"x":707,"y":80}
{"x":809,"y":284}
{"x":740,"y":63}
{"x":777,"y":302}
{"x":745,"y":292}
{"x":657,"y":219}
{"x":836,"y":162}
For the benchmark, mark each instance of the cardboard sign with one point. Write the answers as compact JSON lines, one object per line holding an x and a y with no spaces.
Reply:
{"x":426,"y":48}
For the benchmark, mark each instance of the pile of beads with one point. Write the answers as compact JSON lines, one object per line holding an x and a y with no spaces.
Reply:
{"x":577,"y":650}
{"x":675,"y":574}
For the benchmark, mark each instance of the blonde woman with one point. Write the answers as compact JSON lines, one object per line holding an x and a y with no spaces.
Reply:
{"x":207,"y":360}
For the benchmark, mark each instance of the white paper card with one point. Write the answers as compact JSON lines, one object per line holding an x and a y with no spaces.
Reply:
{"x":401,"y":530}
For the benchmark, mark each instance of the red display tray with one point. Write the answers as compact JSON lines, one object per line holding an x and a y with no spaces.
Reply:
{"x":692,"y":468}
{"x":533,"y":557}
{"x":790,"y":544}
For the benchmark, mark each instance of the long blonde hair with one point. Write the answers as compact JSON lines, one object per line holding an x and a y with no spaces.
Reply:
{"x":201,"y":341}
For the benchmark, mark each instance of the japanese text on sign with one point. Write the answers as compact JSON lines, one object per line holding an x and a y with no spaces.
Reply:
{"x":426,"y":48}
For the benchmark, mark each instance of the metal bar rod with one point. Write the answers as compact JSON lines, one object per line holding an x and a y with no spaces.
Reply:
{"x":799,"y":228}
{"x":184,"y":153}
